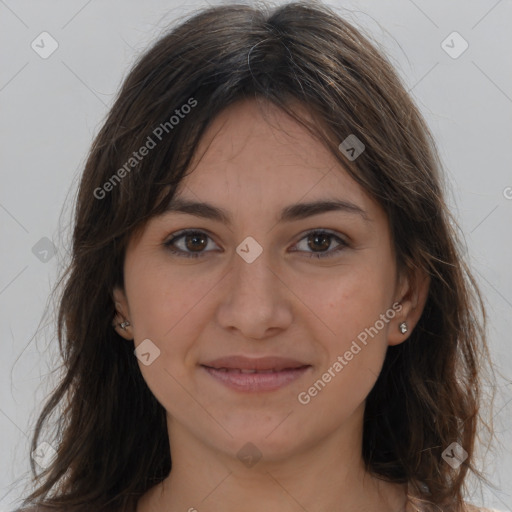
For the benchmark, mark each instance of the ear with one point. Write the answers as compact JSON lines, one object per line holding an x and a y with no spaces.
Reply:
{"x":412,"y":293}
{"x":122,"y":314}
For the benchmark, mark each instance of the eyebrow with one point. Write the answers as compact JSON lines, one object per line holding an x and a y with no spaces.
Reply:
{"x":290,"y":213}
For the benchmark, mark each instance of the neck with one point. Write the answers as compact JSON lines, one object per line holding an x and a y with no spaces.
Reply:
{"x":326,"y":476}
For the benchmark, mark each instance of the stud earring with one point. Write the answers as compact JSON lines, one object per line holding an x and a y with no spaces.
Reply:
{"x":403,"y":327}
{"x":123,"y":325}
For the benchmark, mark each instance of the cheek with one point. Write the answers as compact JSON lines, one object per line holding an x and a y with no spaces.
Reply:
{"x":356,"y":351}
{"x":161,"y":303}
{"x":348,"y":324}
{"x":170,"y":309}
{"x":161,"y":298}
{"x":349,"y":301}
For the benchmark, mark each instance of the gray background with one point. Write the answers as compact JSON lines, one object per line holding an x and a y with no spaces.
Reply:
{"x":51,"y":108}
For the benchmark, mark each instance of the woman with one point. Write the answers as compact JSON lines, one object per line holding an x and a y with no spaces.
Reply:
{"x":266,"y":306}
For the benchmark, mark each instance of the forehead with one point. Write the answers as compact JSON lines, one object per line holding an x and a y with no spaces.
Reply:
{"x":257,"y":151}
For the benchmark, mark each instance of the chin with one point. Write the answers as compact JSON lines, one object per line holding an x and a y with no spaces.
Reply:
{"x":271,"y":440}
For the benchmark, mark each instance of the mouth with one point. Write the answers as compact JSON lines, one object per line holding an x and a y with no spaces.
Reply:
{"x":255,"y":375}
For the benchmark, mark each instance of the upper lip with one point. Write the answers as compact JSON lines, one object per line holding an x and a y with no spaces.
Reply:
{"x":250,"y":363}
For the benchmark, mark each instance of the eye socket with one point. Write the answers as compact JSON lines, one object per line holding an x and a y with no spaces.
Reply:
{"x":203,"y":238}
{"x":324,"y":236}
{"x":188,"y":235}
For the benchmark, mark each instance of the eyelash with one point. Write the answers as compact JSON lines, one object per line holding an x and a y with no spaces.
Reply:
{"x":318,"y":255}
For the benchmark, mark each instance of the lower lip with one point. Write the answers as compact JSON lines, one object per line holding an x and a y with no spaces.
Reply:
{"x":256,"y":382}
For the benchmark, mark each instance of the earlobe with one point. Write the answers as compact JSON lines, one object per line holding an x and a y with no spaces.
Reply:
{"x":412,"y":296}
{"x":121,"y":321}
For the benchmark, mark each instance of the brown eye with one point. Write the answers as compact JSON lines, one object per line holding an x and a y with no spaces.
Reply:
{"x":319,"y":243}
{"x":189,"y":244}
{"x":196,"y":242}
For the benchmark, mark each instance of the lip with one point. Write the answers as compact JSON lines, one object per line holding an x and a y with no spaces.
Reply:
{"x":255,"y":374}
{"x":275,"y":363}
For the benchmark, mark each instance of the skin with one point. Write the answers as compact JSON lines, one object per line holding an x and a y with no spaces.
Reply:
{"x":283,"y":303}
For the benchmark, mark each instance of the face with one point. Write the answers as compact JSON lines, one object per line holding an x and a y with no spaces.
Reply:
{"x":305,"y":295}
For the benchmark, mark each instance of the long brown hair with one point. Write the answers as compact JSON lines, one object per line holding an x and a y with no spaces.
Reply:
{"x":428,"y":393}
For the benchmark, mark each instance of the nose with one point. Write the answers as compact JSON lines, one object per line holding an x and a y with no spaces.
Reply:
{"x":255,"y":301}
